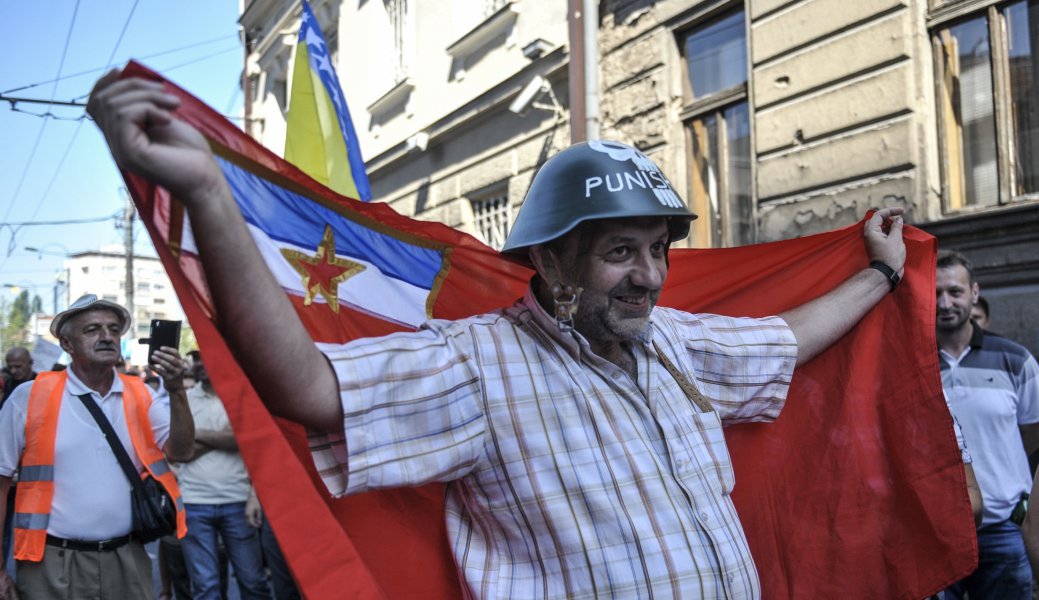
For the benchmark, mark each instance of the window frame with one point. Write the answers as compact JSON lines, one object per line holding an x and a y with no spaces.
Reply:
{"x":492,"y":193}
{"x":943,"y":15}
{"x":714,"y":228}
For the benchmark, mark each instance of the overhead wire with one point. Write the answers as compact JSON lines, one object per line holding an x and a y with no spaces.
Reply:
{"x":100,"y":69}
{"x":114,"y":215}
{"x":15,"y":227}
{"x":184,"y":64}
{"x":43,"y":127}
{"x":14,"y":102}
{"x":79,"y":125}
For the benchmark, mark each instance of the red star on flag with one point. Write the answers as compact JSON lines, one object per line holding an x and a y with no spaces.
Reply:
{"x":324,"y":271}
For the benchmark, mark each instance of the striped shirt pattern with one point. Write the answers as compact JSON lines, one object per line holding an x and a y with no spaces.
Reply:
{"x":568,"y":478}
{"x":993,"y":388}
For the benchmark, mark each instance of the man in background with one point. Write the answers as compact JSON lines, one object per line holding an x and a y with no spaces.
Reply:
{"x":992,"y":385}
{"x":216,"y":490}
{"x":18,"y":367}
{"x":979,"y":312}
{"x":19,"y":370}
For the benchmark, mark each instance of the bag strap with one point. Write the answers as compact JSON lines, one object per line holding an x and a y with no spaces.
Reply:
{"x":113,"y":441}
{"x":683,"y":382}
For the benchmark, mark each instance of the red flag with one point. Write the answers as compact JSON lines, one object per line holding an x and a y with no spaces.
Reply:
{"x":856,"y":491}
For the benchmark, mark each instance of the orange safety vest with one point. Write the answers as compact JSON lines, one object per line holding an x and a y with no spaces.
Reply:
{"x":32,"y":504}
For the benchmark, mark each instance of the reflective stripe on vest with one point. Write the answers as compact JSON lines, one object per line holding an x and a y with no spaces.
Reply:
{"x":36,"y":471}
{"x":154,"y":460}
{"x":32,"y":503}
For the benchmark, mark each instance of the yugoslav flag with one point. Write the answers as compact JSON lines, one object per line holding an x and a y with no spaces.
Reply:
{"x":857,"y":491}
{"x":319,"y":136}
{"x":321,"y":257}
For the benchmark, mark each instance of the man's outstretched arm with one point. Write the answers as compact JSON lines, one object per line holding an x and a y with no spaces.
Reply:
{"x":253,"y":314}
{"x":821,"y":322}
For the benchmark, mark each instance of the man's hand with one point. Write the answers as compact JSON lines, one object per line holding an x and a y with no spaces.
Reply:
{"x":883,"y":235}
{"x":253,"y":511}
{"x":136,"y":118}
{"x":169,"y":365}
{"x":821,"y":322}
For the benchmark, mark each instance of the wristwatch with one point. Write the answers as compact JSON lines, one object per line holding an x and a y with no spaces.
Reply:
{"x":888,"y":272}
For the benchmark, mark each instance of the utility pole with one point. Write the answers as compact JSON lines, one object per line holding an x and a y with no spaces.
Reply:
{"x":128,"y":238}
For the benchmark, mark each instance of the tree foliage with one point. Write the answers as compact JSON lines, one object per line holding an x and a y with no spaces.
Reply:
{"x":16,"y":321}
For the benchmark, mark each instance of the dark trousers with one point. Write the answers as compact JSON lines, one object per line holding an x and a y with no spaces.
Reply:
{"x":8,"y":525}
{"x":282,"y":583}
{"x":1003,"y":572}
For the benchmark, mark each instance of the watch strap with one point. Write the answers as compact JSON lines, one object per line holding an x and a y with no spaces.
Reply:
{"x":892,"y":276}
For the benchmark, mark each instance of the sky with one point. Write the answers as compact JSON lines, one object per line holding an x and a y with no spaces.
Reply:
{"x":59,"y":169}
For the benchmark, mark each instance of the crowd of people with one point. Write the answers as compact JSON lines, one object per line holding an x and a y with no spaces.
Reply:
{"x":639,"y":395}
{"x":81,"y":530}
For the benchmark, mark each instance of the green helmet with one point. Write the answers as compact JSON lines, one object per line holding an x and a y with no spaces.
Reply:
{"x":594,"y":180}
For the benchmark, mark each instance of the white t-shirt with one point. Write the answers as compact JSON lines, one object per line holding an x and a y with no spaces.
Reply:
{"x":218,"y":476}
{"x":91,"y":492}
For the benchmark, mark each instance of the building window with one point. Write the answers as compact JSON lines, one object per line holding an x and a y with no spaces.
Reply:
{"x":717,"y":122}
{"x":492,"y":215}
{"x":988,"y":93}
{"x":397,"y":10}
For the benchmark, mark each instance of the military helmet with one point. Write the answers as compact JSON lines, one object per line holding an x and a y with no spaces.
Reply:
{"x":594,"y":180}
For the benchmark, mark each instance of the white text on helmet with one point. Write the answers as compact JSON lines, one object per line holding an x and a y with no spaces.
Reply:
{"x":626,"y":180}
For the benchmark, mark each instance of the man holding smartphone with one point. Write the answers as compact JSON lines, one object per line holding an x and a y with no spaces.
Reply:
{"x":72,"y":520}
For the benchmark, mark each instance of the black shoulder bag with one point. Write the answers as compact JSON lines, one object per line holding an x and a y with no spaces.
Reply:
{"x":154,"y":514}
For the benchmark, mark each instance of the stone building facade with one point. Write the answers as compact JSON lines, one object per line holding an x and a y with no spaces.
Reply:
{"x":778,"y":118}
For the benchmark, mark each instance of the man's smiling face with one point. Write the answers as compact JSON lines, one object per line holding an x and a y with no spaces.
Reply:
{"x":621,"y":265}
{"x":956,"y":296}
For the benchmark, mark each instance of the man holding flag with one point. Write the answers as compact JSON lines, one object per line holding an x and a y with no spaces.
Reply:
{"x":583,"y":460}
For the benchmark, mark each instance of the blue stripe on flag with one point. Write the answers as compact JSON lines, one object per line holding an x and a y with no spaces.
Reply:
{"x":293,"y":219}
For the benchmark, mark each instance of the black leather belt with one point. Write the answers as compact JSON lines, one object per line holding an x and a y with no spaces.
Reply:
{"x":98,"y":546}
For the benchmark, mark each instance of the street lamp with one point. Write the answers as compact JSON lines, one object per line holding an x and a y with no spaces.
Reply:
{"x":60,"y":279}
{"x":42,"y":250}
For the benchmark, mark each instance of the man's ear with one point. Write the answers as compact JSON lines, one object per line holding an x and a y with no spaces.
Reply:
{"x":65,"y":345}
{"x":975,"y":293}
{"x":545,"y":262}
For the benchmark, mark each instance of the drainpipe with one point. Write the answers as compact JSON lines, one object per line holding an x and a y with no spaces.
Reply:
{"x":591,"y":68}
{"x":576,"y":70}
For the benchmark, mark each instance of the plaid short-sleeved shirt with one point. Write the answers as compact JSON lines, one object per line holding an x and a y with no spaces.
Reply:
{"x":568,"y":478}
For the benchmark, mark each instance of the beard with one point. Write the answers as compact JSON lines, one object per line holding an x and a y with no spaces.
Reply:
{"x":960,"y":316}
{"x":602,"y":317}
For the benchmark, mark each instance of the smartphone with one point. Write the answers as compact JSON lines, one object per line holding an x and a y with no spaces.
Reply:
{"x":163,"y":333}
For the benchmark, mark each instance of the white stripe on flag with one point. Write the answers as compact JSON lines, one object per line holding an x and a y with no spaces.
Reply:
{"x":370,"y":290}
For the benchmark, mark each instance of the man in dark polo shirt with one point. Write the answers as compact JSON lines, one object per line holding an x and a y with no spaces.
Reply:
{"x":19,"y":366}
{"x":992,"y":385}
